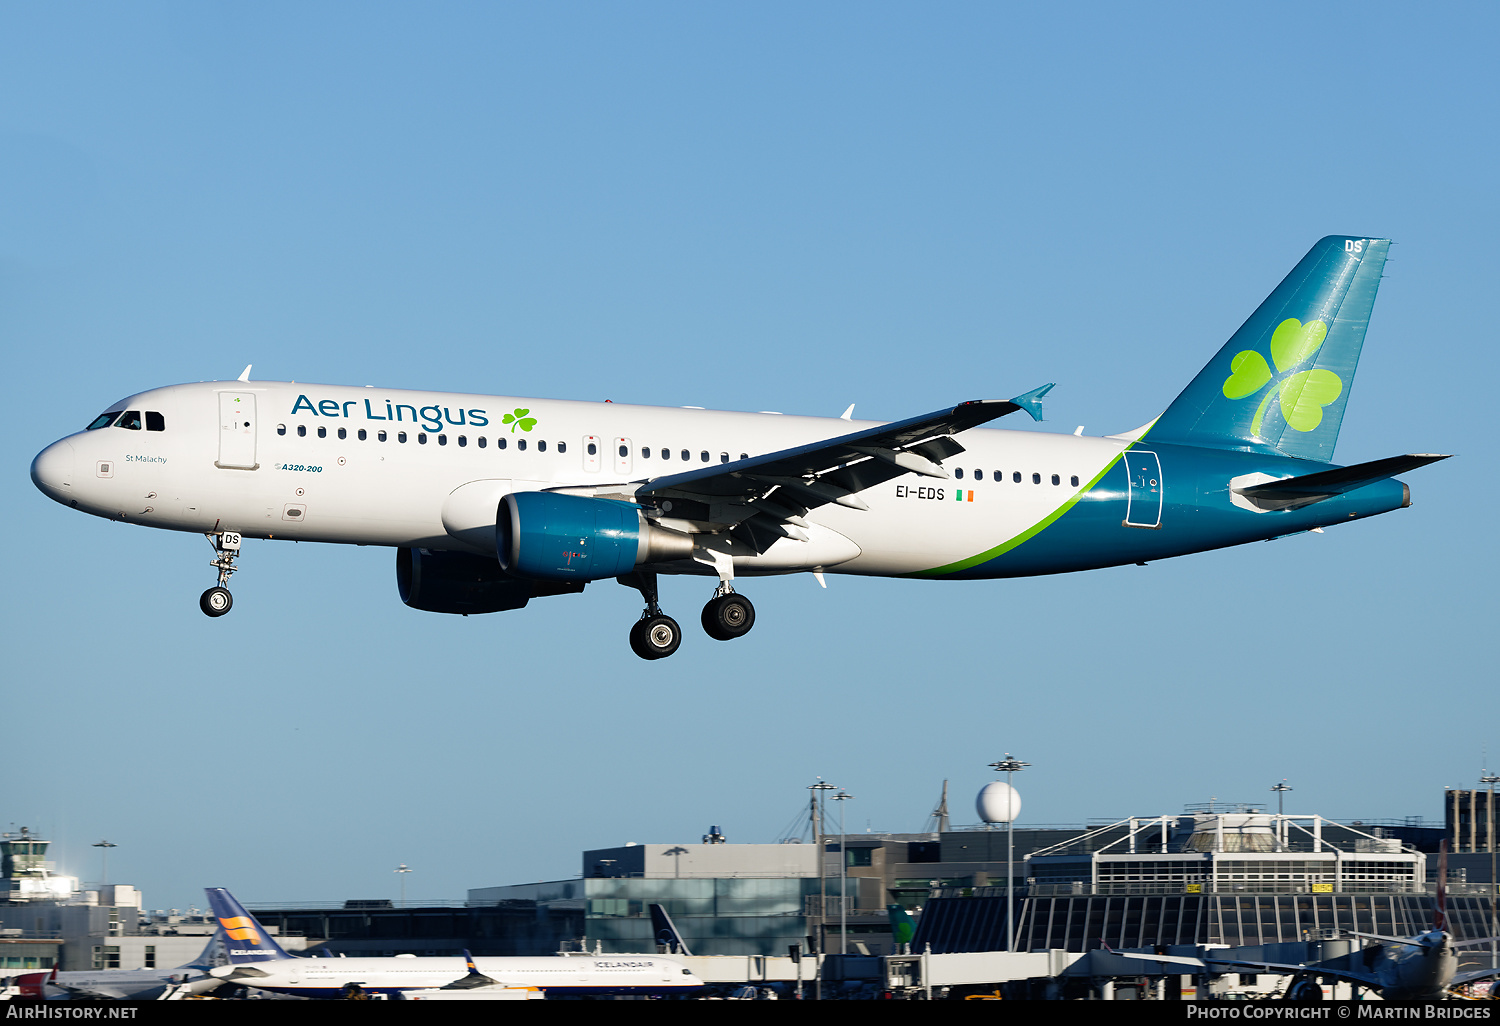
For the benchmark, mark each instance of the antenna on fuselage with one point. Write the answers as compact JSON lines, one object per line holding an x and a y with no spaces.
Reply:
{"x":245,"y":374}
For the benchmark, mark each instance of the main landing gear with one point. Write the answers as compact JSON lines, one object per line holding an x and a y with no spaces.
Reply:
{"x":217,"y":601}
{"x":656,"y":635}
{"x":728,"y":614}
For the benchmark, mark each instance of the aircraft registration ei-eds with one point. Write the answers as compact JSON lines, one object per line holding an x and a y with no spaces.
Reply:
{"x":491,"y":501}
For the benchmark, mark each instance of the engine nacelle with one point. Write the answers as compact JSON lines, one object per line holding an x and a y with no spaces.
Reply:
{"x":554,"y":537}
{"x":456,"y":582}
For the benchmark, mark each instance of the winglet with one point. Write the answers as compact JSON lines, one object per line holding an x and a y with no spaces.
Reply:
{"x":245,"y":374}
{"x":1031,"y":401}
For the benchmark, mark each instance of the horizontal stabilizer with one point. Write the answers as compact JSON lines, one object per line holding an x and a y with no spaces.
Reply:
{"x":1296,"y":492}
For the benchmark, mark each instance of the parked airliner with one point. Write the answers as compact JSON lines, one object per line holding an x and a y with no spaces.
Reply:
{"x":256,"y":960}
{"x":125,"y":984}
{"x":491,"y":501}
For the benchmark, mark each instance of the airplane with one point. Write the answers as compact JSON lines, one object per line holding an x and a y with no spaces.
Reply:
{"x":492,"y":501}
{"x":256,"y":960}
{"x":1420,"y":968}
{"x":125,"y":984}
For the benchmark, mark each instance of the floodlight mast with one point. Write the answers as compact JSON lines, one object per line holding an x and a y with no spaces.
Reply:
{"x":816,"y":808}
{"x":841,"y":797}
{"x":1489,"y":819}
{"x":1010,"y":766}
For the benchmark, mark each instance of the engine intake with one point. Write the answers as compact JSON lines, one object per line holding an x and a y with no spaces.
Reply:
{"x":456,"y":582}
{"x":553,"y":537}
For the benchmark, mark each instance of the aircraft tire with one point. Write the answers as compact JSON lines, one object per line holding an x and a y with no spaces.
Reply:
{"x":728,"y":617}
{"x":216,"y":602}
{"x":655,"y":637}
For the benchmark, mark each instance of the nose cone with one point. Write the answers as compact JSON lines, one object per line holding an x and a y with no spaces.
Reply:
{"x":52,"y":471}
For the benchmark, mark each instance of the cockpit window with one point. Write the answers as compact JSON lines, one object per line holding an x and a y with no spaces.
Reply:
{"x":155,"y":421}
{"x":130,"y":419}
{"x":103,"y":420}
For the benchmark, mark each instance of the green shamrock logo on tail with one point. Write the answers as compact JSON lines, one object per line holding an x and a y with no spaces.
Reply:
{"x":519,"y":419}
{"x":1304,"y":394}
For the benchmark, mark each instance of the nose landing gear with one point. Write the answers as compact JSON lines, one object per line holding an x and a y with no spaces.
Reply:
{"x":217,"y":601}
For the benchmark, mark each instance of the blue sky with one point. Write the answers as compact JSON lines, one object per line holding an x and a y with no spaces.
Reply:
{"x":741,"y":206}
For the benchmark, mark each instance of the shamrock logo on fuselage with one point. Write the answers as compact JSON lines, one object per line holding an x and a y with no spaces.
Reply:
{"x":1303,"y":394}
{"x":519,"y":419}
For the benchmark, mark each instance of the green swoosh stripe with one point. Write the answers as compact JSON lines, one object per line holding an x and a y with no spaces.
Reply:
{"x":1030,"y":532}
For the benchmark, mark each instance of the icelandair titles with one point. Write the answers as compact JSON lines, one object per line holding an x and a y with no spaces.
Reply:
{"x":431,"y":417}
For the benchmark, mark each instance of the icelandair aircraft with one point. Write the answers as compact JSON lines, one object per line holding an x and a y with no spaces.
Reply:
{"x":256,"y":960}
{"x":492,"y":501}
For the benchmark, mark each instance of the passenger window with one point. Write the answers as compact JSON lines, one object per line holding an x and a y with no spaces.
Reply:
{"x":744,"y":456}
{"x":462,"y":441}
{"x":343,"y":433}
{"x":666,"y":454}
{"x":624,"y":452}
{"x":301,"y":430}
{"x":593,"y":449}
{"x":958,"y":472}
{"x":363,"y":434}
{"x":1056,"y":480}
{"x":1036,"y":478}
{"x":322,"y":432}
{"x":723,"y":457}
{"x":154,"y":422}
{"x":562,"y":446}
{"x":103,"y":420}
{"x":703,"y":456}
{"x":645,"y":452}
{"x":421,"y":437}
{"x":380,"y":436}
{"x":1016,"y":477}
{"x":442,"y":439}
{"x":480,"y":441}
{"x":281,"y":429}
{"x":979,"y":475}
{"x":541,"y":445}
{"x":401,"y":437}
{"x":500,"y":443}
{"x":999,"y":475}
{"x":521,"y":444}
{"x":686,"y":455}
{"x":130,"y":420}
{"x":1075,"y":480}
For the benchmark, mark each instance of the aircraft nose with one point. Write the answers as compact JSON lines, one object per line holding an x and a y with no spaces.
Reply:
{"x":52,"y":471}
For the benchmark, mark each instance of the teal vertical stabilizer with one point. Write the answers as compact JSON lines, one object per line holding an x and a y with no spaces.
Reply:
{"x":1281,"y":382}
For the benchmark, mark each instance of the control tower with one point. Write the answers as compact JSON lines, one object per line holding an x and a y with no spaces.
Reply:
{"x":25,"y":873}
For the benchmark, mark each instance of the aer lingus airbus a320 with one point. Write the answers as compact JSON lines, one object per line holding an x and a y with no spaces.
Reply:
{"x":491,"y":501}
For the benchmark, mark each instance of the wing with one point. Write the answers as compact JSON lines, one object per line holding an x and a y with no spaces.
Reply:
{"x":763,"y":499}
{"x":1346,"y":975}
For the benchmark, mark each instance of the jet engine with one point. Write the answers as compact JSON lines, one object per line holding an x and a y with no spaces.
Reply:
{"x":456,"y":582}
{"x":554,"y":537}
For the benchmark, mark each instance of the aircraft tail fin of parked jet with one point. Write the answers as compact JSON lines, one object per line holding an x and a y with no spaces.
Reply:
{"x":245,"y":940}
{"x":1281,"y":382}
{"x":666,"y":931}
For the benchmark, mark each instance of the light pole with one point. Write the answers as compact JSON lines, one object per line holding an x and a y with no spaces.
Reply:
{"x":817,"y":818}
{"x":1281,"y":789}
{"x":104,"y":860}
{"x":401,"y":872}
{"x":1489,"y":820}
{"x":1010,"y":766}
{"x":843,"y":878}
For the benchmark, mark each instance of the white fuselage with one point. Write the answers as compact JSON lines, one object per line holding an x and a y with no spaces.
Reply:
{"x":308,"y":463}
{"x":580,"y":974}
